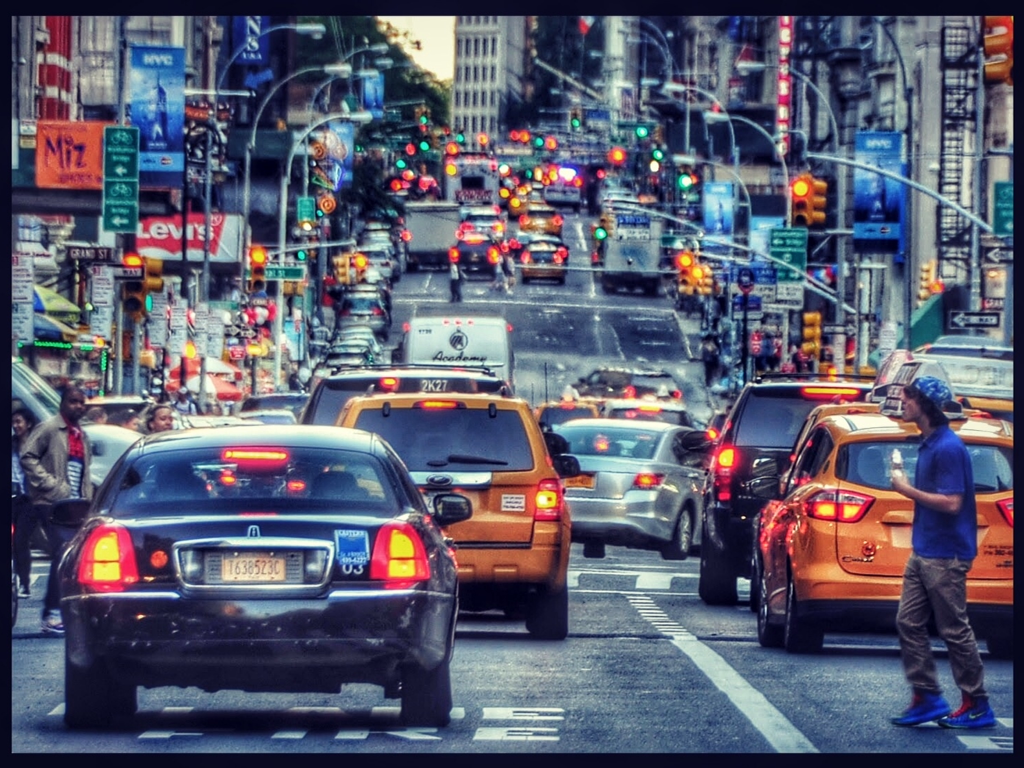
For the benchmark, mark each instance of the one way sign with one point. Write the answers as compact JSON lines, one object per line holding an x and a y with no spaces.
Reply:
{"x":974,"y":319}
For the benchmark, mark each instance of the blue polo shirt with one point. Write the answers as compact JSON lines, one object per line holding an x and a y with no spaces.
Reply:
{"x":944,"y":466}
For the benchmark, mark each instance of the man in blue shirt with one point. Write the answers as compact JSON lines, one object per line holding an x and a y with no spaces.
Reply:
{"x":944,"y":540}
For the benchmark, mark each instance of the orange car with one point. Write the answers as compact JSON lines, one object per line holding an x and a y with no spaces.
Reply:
{"x":831,"y":551}
{"x":541,"y":217}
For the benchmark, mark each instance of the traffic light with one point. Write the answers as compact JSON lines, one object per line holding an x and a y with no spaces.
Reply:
{"x":152,"y":280}
{"x":808,"y":200}
{"x":460,"y":137}
{"x":997,"y":42}
{"x":686,"y":263}
{"x":642,"y":132}
{"x":360,"y":262}
{"x":600,"y":233}
{"x":930,"y":284}
{"x":575,"y":118}
{"x":257,"y":269}
{"x":134,"y":290}
{"x":687,"y":180}
{"x":341,"y":265}
{"x":482,"y":139}
{"x":617,"y":156}
{"x":452,"y":149}
{"x":705,"y":280}
{"x":812,"y":334}
{"x":550,"y":143}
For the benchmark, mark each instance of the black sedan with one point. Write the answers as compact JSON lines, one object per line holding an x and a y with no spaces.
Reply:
{"x":273,"y":559}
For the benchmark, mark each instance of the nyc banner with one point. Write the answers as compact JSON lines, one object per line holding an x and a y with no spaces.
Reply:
{"x":157,"y":93}
{"x":878,"y":201}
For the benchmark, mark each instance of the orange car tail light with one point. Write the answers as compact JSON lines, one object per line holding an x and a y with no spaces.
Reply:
{"x":722,"y":465}
{"x":524,"y":220}
{"x":1006,"y":507}
{"x":108,"y":560}
{"x":256,"y":458}
{"x":399,"y":558}
{"x":838,"y":506}
{"x":646,"y":481}
{"x":549,"y":500}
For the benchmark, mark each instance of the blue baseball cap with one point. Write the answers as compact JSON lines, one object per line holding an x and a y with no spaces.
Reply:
{"x":934,"y":389}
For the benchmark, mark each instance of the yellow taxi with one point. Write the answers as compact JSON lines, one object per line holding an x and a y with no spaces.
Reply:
{"x":559,"y":411}
{"x":513,"y":553}
{"x":543,"y":257}
{"x":541,"y":217}
{"x":833,"y":541}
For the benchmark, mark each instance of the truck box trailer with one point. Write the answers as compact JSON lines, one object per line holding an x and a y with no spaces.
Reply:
{"x":432,"y":227}
{"x":631,"y":252}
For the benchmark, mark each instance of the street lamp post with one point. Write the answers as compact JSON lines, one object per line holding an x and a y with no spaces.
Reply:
{"x":717,"y":116}
{"x":315,"y":30}
{"x":282,"y":226}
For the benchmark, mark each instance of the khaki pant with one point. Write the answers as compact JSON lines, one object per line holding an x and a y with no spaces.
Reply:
{"x":937,"y":587}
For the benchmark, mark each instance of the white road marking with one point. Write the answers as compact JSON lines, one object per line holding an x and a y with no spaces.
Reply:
{"x":772,"y":724}
{"x":516,"y":734}
{"x":290,"y":734}
{"x":644,"y":579}
{"x":523,"y":713}
{"x":998,"y":743}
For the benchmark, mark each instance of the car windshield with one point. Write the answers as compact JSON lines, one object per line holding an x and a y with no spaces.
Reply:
{"x":429,"y":440}
{"x":366,"y":303}
{"x":868,"y":463}
{"x":602,"y":440}
{"x":194,"y":482}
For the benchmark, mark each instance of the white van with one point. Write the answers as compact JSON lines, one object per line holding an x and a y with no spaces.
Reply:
{"x":477,"y":341}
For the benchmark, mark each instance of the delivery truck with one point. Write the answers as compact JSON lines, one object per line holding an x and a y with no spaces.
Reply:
{"x":432,"y":228}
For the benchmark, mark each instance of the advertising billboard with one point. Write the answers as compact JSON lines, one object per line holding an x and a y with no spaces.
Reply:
{"x":157,"y":86}
{"x":879,"y":202}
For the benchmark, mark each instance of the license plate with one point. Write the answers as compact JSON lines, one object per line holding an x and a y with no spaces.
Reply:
{"x":253,"y":567}
{"x":580,"y":481}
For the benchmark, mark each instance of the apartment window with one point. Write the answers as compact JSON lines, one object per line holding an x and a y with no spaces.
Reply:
{"x":473,"y":100}
{"x":476,"y":47}
{"x":494,"y":98}
{"x":493,"y":73}
{"x":484,"y":46}
{"x":476,"y":74}
{"x":494,"y":46}
{"x":458,"y":101}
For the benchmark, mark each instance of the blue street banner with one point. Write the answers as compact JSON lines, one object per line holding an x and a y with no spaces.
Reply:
{"x":373,"y":95}
{"x":157,"y":94}
{"x":879,"y":202}
{"x":719,"y":210}
{"x":247,"y":34}
{"x":339,"y":138}
{"x":760,"y":235}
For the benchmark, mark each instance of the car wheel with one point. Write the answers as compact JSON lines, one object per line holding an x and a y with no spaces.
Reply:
{"x":427,"y":695}
{"x":92,"y":698}
{"x":682,"y":538}
{"x":768,"y":635}
{"x":547,"y":617}
{"x":798,"y":635}
{"x":561,"y":280}
{"x":1000,"y":645}
{"x":717,"y":582}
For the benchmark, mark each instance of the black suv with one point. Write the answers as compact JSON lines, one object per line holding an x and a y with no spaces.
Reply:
{"x":763,"y":424}
{"x":331,"y":393}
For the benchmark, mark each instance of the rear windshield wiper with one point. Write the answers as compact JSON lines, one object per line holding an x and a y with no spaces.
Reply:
{"x":464,"y":458}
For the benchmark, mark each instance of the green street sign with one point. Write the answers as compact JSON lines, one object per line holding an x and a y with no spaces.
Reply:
{"x":286,"y":273}
{"x":789,"y":245}
{"x":1002,"y":213}
{"x":306,"y":209}
{"x":120,"y":179}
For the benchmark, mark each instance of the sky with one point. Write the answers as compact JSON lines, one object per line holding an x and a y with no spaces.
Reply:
{"x":437,"y":36}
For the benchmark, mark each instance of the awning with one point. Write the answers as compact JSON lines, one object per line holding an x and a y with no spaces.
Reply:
{"x":52,"y":303}
{"x":51,"y":329}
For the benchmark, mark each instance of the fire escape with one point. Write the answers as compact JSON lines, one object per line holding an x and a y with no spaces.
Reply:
{"x":959,"y":131}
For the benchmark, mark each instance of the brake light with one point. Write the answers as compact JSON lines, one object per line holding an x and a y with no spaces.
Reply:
{"x":549,"y":501}
{"x":389,"y":383}
{"x":255,"y":458}
{"x":676,"y":394}
{"x":646,"y":481}
{"x":560,"y":255}
{"x":399,"y":557}
{"x":629,"y":392}
{"x":649,"y":409}
{"x":524,"y":220}
{"x":712,"y":434}
{"x":493,"y":255}
{"x":1006,"y":507}
{"x":453,"y":254}
{"x":108,"y":560}
{"x":377,"y":311}
{"x":557,"y":220}
{"x":838,"y":506}
{"x":525,"y":257}
{"x":437,"y":405}
{"x":828,"y":393}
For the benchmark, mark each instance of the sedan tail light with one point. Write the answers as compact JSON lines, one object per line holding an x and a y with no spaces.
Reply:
{"x":399,"y":557}
{"x":549,"y":501}
{"x":1006,"y":507}
{"x":560,"y":255}
{"x":646,"y":481}
{"x":839,"y":506}
{"x":108,"y":560}
{"x":525,"y":257}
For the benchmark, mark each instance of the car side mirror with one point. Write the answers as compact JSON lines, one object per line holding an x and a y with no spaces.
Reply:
{"x":452,"y":508}
{"x":697,"y":440}
{"x":556,"y":443}
{"x":566,"y":465}
{"x":764,"y":481}
{"x":69,"y":513}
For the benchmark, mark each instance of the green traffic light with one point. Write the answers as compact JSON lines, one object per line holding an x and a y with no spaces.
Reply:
{"x":424,"y":119}
{"x":149,"y":303}
{"x":600,"y":233}
{"x":658,"y":155}
{"x":460,"y":137}
{"x":685,"y":181}
{"x":538,"y":141}
{"x":300,"y":255}
{"x":424,"y":145}
{"x":642,"y":132}
{"x":575,"y":122}
{"x":400,"y":164}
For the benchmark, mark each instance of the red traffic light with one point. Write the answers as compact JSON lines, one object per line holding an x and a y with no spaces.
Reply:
{"x":451,"y":148}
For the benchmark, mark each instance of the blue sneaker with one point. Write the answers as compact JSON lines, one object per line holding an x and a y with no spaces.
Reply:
{"x":972,"y":714}
{"x":924,"y":708}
